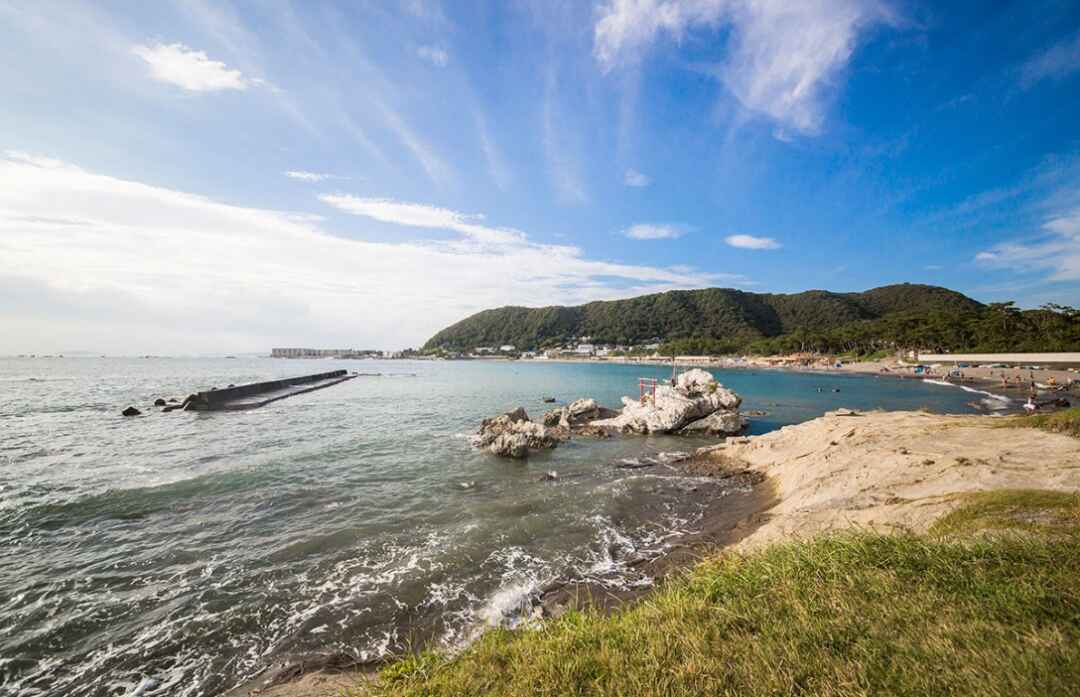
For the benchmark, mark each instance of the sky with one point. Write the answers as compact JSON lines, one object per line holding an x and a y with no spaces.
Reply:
{"x":199,"y":177}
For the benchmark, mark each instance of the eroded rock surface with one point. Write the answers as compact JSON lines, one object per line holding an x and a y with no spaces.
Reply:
{"x":513,"y":435}
{"x":695,"y":396}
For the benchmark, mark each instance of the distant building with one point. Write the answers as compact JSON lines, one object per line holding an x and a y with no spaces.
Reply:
{"x":507,"y":348}
{"x":585,"y":349}
{"x":308,"y":353}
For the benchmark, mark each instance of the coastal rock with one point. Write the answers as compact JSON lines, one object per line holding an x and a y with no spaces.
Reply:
{"x":696,"y":395}
{"x":513,"y":435}
{"x":719,"y":423}
{"x":159,"y":402}
{"x":577,"y":415}
{"x":131,"y":411}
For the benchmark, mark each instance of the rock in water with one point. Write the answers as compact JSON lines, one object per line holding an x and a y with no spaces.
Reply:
{"x":513,"y":435}
{"x":159,"y":402}
{"x":131,"y":411}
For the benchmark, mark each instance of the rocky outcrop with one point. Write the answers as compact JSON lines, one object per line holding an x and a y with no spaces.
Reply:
{"x":719,"y":423}
{"x":131,"y":411}
{"x":696,"y":395}
{"x":577,"y":415}
{"x":513,"y":435}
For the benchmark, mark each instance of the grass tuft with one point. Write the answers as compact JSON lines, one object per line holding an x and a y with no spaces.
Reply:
{"x":852,"y":614}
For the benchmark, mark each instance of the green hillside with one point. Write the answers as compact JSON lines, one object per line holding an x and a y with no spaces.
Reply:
{"x":734,"y":317}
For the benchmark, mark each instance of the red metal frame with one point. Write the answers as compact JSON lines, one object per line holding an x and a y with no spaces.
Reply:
{"x":646,"y":386}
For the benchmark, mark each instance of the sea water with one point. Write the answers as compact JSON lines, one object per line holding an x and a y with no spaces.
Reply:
{"x":194,"y":547}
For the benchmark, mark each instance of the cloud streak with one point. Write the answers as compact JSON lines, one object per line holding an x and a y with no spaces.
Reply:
{"x":1055,"y":251}
{"x":636,"y":179}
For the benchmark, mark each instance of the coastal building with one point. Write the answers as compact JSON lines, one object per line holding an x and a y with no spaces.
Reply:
{"x":1042,"y":359}
{"x":308,"y":353}
{"x":507,"y":348}
{"x":585,"y":349}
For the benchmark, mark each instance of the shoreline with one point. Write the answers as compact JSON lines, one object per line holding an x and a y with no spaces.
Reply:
{"x":987,"y":380}
{"x":737,"y":502}
{"x":880,"y":471}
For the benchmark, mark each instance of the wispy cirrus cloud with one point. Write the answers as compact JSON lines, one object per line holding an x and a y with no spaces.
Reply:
{"x":306,"y":176}
{"x":423,"y":216}
{"x":655,"y":231}
{"x":782,"y":57}
{"x":1055,"y":63}
{"x":1054,"y":250}
{"x":191,"y":70}
{"x":751,"y":242}
{"x":433,"y":54}
{"x":636,"y":179}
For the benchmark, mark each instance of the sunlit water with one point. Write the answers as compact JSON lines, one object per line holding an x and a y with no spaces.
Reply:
{"x":191,"y":547}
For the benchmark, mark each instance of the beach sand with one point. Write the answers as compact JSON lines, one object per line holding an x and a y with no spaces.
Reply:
{"x":888,"y":471}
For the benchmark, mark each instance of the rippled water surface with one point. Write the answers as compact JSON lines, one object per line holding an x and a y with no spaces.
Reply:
{"x":192,"y":546}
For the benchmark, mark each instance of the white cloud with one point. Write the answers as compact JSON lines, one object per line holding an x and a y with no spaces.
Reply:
{"x":636,"y":178}
{"x":106,"y":264}
{"x":193,"y":70}
{"x":751,"y":242}
{"x":1057,"y":62}
{"x":650,"y":231}
{"x":424,"y":216}
{"x":1055,"y":250}
{"x":309,"y":176}
{"x":434,"y":55}
{"x":782,"y":57}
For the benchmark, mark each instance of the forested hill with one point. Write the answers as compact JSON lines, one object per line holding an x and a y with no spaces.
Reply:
{"x":734,"y":317}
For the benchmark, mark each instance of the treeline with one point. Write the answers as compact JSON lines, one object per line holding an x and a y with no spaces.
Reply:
{"x":995,"y":328}
{"x":726,"y":315}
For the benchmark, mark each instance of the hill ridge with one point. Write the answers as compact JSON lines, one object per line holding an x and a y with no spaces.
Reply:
{"x":726,"y":314}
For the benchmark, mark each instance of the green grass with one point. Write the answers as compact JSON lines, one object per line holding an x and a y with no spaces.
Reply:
{"x":1026,"y":510}
{"x":1066,"y":421}
{"x":853,"y":614}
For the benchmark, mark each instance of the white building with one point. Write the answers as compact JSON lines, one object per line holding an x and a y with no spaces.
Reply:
{"x":507,"y":348}
{"x":584,"y":349}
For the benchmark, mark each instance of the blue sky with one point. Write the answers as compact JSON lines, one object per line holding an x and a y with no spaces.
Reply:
{"x":197,"y":176}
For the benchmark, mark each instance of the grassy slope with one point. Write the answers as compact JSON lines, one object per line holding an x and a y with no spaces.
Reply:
{"x":855,"y":614}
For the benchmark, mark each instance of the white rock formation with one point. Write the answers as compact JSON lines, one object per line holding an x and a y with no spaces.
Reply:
{"x":695,"y":396}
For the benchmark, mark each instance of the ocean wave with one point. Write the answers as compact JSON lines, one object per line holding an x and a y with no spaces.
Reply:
{"x":989,"y":395}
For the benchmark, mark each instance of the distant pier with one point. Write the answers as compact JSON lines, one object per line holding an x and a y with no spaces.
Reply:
{"x":257,"y":394}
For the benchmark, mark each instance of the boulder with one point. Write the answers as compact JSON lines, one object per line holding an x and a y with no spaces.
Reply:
{"x":131,"y":411}
{"x":552,"y":417}
{"x":159,"y":402}
{"x":695,"y":395}
{"x":719,"y":423}
{"x":513,"y":435}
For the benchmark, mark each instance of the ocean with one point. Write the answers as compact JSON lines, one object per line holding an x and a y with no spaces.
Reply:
{"x":195,"y":547}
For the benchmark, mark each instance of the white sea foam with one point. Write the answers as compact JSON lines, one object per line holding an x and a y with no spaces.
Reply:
{"x":990,"y":395}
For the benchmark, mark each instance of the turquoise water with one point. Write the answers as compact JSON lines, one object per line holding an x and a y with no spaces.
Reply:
{"x":193,"y":547}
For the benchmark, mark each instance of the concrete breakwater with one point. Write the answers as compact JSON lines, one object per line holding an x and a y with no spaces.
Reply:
{"x":258,"y":394}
